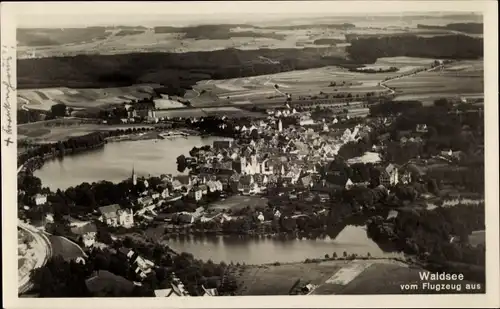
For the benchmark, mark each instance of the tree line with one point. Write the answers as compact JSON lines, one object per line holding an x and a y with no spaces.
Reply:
{"x":368,"y":50}
{"x":428,"y":234}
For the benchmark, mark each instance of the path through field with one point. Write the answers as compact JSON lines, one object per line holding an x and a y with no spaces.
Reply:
{"x":391,"y":91}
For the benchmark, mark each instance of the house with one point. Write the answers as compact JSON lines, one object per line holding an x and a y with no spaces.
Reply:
{"x":49,"y":218}
{"x":277,"y":214}
{"x":209,"y":292}
{"x":145,"y":201}
{"x":421,"y":128}
{"x":392,"y":214}
{"x":185,"y":180}
{"x":218,"y":185}
{"x":155,"y":196}
{"x":411,"y":172}
{"x":126,"y":218}
{"x":176,"y":185}
{"x":389,"y":176}
{"x":130,"y":254}
{"x":211,"y":186}
{"x":86,"y":233}
{"x":203,"y":188}
{"x":349,"y":184}
{"x":308,"y":288}
{"x":143,"y":266}
{"x":178,"y":286}
{"x":114,"y":216}
{"x":109,"y":214}
{"x":40,"y":199}
{"x":196,"y":193}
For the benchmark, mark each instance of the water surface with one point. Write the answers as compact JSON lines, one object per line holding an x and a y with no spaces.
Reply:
{"x":115,"y":161}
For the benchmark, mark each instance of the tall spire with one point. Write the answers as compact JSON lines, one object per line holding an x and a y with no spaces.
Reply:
{"x":134,"y":176}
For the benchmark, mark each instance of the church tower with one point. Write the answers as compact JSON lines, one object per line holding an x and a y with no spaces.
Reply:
{"x":280,"y":126}
{"x":134,"y":176}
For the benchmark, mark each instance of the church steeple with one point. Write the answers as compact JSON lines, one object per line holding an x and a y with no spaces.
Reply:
{"x":134,"y":176}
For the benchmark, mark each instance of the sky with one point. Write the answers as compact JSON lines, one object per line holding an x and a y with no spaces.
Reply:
{"x":81,"y":14}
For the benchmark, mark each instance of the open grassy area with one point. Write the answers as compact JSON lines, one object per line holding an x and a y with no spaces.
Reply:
{"x":229,"y":111}
{"x":337,"y":277}
{"x":238,"y":202}
{"x":278,"y":280}
{"x":311,"y":82}
{"x":463,"y":78}
{"x":62,"y":129}
{"x":65,"y":248}
{"x":106,"y":282}
{"x":44,"y":98}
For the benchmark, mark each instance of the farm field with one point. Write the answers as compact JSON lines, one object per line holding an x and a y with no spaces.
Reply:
{"x":462,"y":79}
{"x":334,"y":277}
{"x":278,"y":280}
{"x":229,"y":111}
{"x":149,"y":41}
{"x":58,"y":130}
{"x":44,"y":98}
{"x":311,"y":82}
{"x":115,"y":40}
{"x":330,"y":277}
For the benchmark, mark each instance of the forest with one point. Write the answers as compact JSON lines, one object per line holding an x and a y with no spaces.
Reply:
{"x":368,"y":50}
{"x":173,"y":70}
{"x":176,"y":71}
{"x":473,"y":28}
{"x":427,"y":234}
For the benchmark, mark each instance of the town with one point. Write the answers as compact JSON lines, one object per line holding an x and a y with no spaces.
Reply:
{"x":290,"y":174}
{"x":250,"y":153}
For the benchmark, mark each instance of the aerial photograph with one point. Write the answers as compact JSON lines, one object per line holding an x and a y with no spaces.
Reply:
{"x":327,"y":154}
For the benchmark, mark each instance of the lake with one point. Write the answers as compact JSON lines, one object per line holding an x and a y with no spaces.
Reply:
{"x":352,"y":239}
{"x":115,"y":161}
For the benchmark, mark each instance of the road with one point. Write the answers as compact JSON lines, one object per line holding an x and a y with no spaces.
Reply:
{"x":391,"y":91}
{"x":43,"y":251}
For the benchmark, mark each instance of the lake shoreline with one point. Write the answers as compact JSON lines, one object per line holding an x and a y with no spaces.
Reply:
{"x":37,"y":164}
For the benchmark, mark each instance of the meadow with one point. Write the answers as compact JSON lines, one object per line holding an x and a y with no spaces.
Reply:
{"x":279,"y":279}
{"x":62,"y":129}
{"x":330,"y":277}
{"x":238,"y":202}
{"x":65,"y":248}
{"x":460,"y":79}
{"x":302,"y":83}
{"x":229,"y":111}
{"x":44,"y":98}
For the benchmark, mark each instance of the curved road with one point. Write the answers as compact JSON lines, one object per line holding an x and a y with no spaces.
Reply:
{"x":44,"y":252}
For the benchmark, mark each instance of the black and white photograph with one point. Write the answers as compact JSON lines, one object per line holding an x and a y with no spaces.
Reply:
{"x":296,"y":149}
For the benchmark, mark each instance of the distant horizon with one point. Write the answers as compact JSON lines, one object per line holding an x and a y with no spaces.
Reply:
{"x":96,"y":14}
{"x":51,"y":22}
